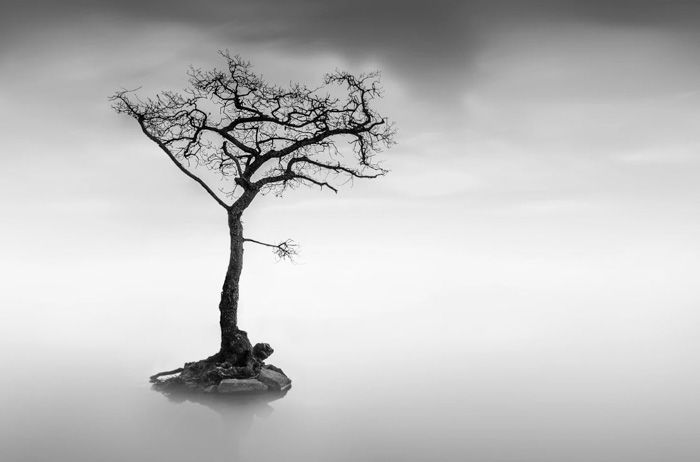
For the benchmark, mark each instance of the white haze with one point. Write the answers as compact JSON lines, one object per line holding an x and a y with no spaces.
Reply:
{"x":521,"y":287}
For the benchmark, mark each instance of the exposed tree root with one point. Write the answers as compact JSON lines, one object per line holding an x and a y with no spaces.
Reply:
{"x":206,"y":374}
{"x":154,"y":378}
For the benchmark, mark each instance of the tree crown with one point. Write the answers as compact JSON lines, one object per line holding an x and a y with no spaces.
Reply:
{"x":259,"y":137}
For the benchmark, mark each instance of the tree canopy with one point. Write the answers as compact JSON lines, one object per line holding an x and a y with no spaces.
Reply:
{"x":259,"y":137}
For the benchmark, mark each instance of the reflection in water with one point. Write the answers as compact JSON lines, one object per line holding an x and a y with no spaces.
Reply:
{"x":88,"y":412}
{"x":491,"y":413}
{"x":237,"y":413}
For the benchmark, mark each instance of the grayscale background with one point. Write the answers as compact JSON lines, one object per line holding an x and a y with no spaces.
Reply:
{"x":522,"y":287}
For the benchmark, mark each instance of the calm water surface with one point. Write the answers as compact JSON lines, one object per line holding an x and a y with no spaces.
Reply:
{"x":78,"y":411}
{"x":527,"y":360}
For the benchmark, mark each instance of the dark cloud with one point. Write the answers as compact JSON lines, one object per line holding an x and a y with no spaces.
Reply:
{"x":427,"y":43}
{"x":406,"y":34}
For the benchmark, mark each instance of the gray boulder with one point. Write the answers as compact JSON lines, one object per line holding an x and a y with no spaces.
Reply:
{"x":274,"y":380}
{"x":241,"y":386}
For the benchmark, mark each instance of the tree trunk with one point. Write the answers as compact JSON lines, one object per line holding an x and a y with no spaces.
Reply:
{"x":235,"y":346}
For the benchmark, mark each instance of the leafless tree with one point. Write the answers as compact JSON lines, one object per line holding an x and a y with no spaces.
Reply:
{"x":239,"y":136}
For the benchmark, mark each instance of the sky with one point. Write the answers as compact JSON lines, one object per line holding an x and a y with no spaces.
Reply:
{"x":542,"y":202}
{"x":605,"y":89}
{"x":561,"y":126}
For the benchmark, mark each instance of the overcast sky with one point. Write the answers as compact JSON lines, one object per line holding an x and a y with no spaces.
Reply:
{"x":542,"y":145}
{"x":494,"y":95}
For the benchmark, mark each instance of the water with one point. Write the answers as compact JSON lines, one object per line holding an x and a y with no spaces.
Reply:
{"x":546,"y":407}
{"x":513,"y":343}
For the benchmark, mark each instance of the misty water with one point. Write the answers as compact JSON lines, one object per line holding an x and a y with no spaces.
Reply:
{"x":367,"y":409}
{"x":537,"y":338}
{"x":422,"y":390}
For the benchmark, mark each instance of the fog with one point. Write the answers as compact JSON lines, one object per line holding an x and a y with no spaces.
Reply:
{"x":521,"y":287}
{"x":492,"y":343}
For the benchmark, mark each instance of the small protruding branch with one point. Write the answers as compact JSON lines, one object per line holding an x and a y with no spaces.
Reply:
{"x":285,"y":250}
{"x":320,"y":184}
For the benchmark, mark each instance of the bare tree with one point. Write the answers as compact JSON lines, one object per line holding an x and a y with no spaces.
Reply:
{"x":239,"y":136}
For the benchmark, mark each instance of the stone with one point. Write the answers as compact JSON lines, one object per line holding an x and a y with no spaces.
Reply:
{"x":241,"y":386}
{"x":274,"y":368}
{"x":274,"y":380}
{"x":262,"y":351}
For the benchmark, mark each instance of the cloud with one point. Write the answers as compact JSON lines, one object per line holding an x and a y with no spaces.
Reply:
{"x":430,"y":45}
{"x":489,"y":98}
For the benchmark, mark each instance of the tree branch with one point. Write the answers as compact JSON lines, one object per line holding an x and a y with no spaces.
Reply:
{"x":182,"y":168}
{"x":289,"y":134}
{"x":239,"y":169}
{"x":286,"y":250}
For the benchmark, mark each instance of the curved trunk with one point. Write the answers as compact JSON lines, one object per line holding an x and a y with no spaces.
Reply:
{"x":235,"y":345}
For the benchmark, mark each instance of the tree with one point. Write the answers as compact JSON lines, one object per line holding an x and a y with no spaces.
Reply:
{"x":250,"y":137}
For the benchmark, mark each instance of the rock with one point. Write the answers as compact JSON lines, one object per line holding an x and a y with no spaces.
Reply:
{"x":274,"y":368}
{"x":274,"y":380}
{"x":241,"y":386}
{"x":262,"y":351}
